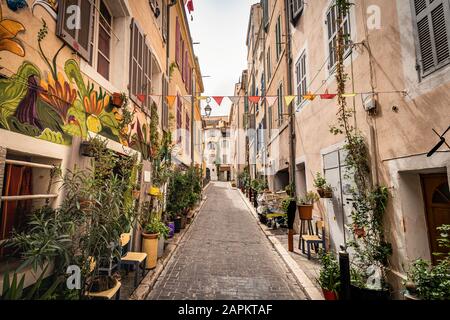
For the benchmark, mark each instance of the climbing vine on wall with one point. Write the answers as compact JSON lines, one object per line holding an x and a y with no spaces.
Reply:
{"x":371,"y":251}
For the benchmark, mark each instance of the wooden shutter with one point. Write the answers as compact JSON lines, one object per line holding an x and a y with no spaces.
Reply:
{"x":164,"y":20}
{"x":138,"y":49}
{"x":179,"y":118}
{"x":78,"y":39}
{"x":165,"y":105}
{"x":177,"y":42}
{"x":296,"y":7}
{"x":433,"y":33}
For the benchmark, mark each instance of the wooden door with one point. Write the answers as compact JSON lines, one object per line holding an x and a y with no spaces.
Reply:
{"x":437,"y":207}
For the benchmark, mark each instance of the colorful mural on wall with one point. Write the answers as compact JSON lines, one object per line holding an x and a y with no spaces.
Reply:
{"x":55,"y":106}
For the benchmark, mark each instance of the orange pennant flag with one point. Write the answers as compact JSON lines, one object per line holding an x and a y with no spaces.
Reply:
{"x":254,"y":99}
{"x":171,"y":100}
{"x":309,"y":97}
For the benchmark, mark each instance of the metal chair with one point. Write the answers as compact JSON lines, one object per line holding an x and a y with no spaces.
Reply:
{"x":316,"y":240}
{"x":135,"y":259}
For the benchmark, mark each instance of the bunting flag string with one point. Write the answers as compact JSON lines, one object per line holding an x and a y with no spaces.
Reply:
{"x":270,"y":100}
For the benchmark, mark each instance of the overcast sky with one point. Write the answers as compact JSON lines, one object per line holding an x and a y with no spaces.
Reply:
{"x":220,"y":27}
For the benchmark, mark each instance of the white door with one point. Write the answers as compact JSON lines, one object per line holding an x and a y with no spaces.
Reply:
{"x":339,"y":207}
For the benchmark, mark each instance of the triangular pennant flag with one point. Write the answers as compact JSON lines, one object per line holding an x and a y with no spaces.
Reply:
{"x":271,"y":100}
{"x":327,"y":96}
{"x":141,"y":97}
{"x":289,"y":99}
{"x":349,"y":95}
{"x":171,"y":100}
{"x":155,"y":98}
{"x":187,"y":99}
{"x":218,"y":100}
{"x":234,"y":99}
{"x":309,"y":96}
{"x":254,"y":99}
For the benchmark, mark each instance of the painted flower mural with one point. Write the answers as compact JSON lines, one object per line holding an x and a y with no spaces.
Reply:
{"x":55,"y":105}
{"x":8,"y":33}
{"x":59,"y":94}
{"x":94,"y":105}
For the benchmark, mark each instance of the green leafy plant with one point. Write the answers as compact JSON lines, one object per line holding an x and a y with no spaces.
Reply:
{"x":329,"y":272}
{"x":14,"y":289}
{"x":156,"y":226}
{"x":433,"y":282}
{"x":309,"y":198}
{"x":285,"y":204}
{"x":321,"y":183}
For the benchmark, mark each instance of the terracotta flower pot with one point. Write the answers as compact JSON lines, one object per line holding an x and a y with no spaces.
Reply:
{"x":325,"y":193}
{"x":360,"y":232}
{"x":329,"y":295}
{"x":117,"y":99}
{"x":305,"y":211}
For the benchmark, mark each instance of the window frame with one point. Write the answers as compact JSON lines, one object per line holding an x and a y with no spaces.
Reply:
{"x":73,"y":40}
{"x":417,"y":17}
{"x":301,"y":77}
{"x":332,"y":37}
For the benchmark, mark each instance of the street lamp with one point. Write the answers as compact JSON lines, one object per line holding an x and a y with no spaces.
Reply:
{"x":208,"y":108}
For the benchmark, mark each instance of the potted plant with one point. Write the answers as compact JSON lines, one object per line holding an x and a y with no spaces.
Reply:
{"x":431,"y":282}
{"x":163,"y":235}
{"x":323,"y":188}
{"x":119,"y":99}
{"x":329,"y":275}
{"x":150,"y":234}
{"x":305,"y":205}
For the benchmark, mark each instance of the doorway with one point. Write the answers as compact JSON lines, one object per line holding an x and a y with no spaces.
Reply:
{"x":437,"y":208}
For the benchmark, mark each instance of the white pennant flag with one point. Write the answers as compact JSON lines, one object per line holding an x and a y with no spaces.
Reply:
{"x":188,"y":99}
{"x":271,"y":100}
{"x":234,"y":99}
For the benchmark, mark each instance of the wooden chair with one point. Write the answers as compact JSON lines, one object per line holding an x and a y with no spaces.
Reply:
{"x":135,"y":259}
{"x":316,"y":240}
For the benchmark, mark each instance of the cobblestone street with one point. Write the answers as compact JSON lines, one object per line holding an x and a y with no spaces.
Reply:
{"x":225,"y":255}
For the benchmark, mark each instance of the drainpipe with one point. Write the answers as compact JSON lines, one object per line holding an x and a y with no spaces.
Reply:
{"x":291,"y":107}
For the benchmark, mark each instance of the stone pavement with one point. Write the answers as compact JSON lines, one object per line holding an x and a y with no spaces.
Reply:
{"x":226,"y":256}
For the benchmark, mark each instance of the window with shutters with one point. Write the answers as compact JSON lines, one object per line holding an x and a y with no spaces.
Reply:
{"x":188,"y":134}
{"x":300,"y":74}
{"x":432,"y":22}
{"x":296,"y":7}
{"x":280,"y":104}
{"x":179,"y":118}
{"x":165,"y":105}
{"x":270,"y":120}
{"x":140,"y":68}
{"x":74,"y":25}
{"x":269,"y":66}
{"x":265,"y":5}
{"x":278,"y":37}
{"x":164,"y":19}
{"x":332,"y":33}
{"x":100,"y":43}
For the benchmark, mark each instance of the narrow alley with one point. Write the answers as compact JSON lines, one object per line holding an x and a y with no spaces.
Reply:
{"x":225,"y":256}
